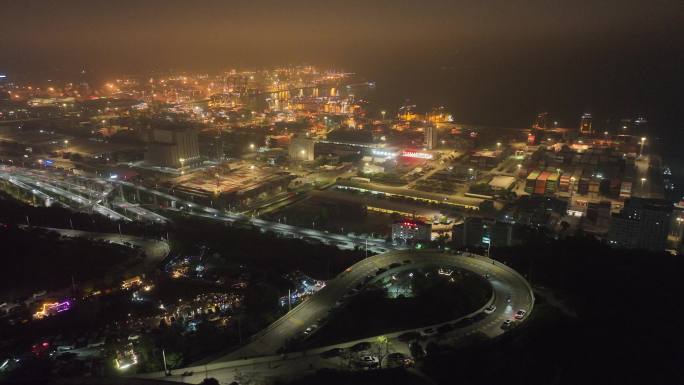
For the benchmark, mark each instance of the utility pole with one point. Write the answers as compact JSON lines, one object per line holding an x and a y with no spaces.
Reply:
{"x":73,"y":286}
{"x":166,"y":370}
{"x":240,"y":329}
{"x":289,"y":300}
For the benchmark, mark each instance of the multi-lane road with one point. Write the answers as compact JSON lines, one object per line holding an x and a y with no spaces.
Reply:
{"x":54,"y":185}
{"x":257,"y":360}
{"x":374,"y":245}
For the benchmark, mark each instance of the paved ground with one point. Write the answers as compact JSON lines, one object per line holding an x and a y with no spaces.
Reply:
{"x":155,"y":250}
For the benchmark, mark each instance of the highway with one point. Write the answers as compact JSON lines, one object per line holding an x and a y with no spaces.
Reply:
{"x":51,"y":184}
{"x":258,"y":362}
{"x":349,"y":242}
{"x":47,"y":184}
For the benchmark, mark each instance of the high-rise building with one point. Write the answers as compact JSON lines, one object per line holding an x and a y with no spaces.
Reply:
{"x":411,"y":230}
{"x":542,"y":121}
{"x":642,"y":224}
{"x":476,"y":232}
{"x":640,"y":126}
{"x":301,"y":148}
{"x":172,"y":147}
{"x":469,"y":233}
{"x":585,"y":124}
{"x":501,"y":234}
{"x":430,"y":137}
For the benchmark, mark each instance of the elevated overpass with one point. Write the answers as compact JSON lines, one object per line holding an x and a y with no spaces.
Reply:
{"x":258,"y":359}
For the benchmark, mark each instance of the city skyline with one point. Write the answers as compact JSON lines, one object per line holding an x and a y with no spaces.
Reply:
{"x":324,"y":192}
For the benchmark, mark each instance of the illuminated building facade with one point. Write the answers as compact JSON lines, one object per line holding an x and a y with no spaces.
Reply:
{"x":585,"y":124}
{"x":411,"y":230}
{"x":302,"y":149}
{"x":431,"y":137}
{"x":172,"y":147}
{"x":542,"y":121}
{"x":52,"y":308}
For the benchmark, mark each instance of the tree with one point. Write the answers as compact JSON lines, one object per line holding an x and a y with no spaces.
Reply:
{"x":173,"y":359}
{"x":383,"y":346}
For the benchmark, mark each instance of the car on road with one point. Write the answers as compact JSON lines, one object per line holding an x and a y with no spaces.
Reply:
{"x":367,"y":361}
{"x":334,"y":352}
{"x":397,"y":360}
{"x":429,"y":332}
{"x":417,"y":350}
{"x":310,"y":329}
{"x":490,"y":309}
{"x":507,"y":324}
{"x":520,"y":314}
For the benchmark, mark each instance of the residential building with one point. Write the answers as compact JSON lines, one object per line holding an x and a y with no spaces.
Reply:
{"x":411,"y":231}
{"x":642,"y":224}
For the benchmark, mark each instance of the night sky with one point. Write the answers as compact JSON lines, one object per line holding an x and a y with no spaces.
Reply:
{"x":493,"y":61}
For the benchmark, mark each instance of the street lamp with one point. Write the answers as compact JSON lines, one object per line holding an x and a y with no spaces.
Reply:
{"x":182,"y":162}
{"x":251,"y":146}
{"x":498,"y":145}
{"x":643,"y":180}
{"x":383,"y":112}
{"x":641,"y":150}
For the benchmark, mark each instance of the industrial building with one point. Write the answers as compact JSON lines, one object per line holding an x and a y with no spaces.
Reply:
{"x":236,"y":186}
{"x":172,"y":147}
{"x":302,"y":149}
